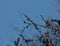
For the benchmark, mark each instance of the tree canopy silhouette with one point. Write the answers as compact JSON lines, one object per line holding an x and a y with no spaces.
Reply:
{"x":50,"y":38}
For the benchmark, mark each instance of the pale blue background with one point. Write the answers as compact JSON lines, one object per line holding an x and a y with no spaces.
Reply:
{"x":9,"y":14}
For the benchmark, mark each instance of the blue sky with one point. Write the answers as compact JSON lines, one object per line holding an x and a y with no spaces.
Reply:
{"x":9,"y":14}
